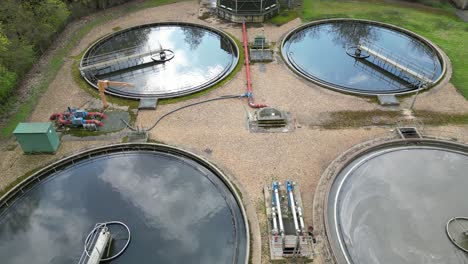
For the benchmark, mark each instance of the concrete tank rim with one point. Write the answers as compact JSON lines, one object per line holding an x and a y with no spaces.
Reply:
{"x":46,"y":170}
{"x":327,"y":178}
{"x":441,"y":81}
{"x":166,"y":23}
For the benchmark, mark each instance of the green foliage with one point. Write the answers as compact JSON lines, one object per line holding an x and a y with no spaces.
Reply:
{"x":342,"y":119}
{"x":7,"y":83}
{"x":26,"y":29}
{"x":4,"y":42}
{"x":440,"y":26}
{"x":284,"y":17}
{"x":33,"y":22}
{"x":81,"y":8}
{"x":18,"y":58}
{"x":49,"y":18}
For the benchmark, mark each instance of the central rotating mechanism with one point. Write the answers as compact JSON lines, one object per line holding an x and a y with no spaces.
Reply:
{"x":98,"y":243}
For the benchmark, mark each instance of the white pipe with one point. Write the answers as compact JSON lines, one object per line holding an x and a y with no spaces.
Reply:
{"x":293,"y":206}
{"x":275,"y":225}
{"x":99,"y":247}
{"x":278,"y":208}
{"x":301,"y":220}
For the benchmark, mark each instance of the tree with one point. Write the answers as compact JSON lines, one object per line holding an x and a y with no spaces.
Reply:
{"x":7,"y":78}
{"x":49,"y":18}
{"x":18,"y":58}
{"x":7,"y":83}
{"x":33,"y":22}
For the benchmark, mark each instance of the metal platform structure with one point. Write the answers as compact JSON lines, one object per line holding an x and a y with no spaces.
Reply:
{"x":124,"y":60}
{"x":247,"y":10}
{"x":289,"y":237}
{"x":98,"y":244}
{"x":389,"y":67}
{"x":393,"y":79}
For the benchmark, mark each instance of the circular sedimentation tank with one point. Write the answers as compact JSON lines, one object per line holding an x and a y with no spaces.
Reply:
{"x":391,"y":60}
{"x":390,"y":203}
{"x":177,"y":205}
{"x":195,"y":58}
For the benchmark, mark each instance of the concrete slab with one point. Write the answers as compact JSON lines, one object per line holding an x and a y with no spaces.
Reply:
{"x":257,"y":55}
{"x":138,"y":137}
{"x":113,"y":121}
{"x":148,"y":104}
{"x":388,"y":100}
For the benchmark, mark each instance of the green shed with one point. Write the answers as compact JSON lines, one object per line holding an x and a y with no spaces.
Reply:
{"x":37,"y":137}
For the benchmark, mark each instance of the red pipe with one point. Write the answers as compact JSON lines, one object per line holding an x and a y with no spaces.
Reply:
{"x":97,"y":114}
{"x":63,"y":119}
{"x":247,"y":70}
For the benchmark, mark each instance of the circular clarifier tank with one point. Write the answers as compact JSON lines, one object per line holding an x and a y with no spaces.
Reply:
{"x":161,"y":60}
{"x":363,"y":57}
{"x":391,"y":204}
{"x":178,"y":208}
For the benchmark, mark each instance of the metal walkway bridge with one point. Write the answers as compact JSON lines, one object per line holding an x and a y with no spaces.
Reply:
{"x":120,"y":59}
{"x":395,"y":64}
{"x":392,"y":79}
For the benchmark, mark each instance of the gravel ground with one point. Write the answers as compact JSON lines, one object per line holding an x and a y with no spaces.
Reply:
{"x":15,"y":164}
{"x":217,"y":130}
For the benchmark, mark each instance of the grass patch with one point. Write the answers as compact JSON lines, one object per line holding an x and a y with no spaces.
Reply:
{"x":57,"y":61}
{"x":284,"y":17}
{"x":436,"y":119}
{"x":440,"y":25}
{"x":238,"y":191}
{"x":353,"y":119}
{"x":156,"y":142}
{"x":81,"y":132}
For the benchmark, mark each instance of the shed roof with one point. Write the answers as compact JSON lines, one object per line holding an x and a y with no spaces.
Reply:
{"x":32,"y":128}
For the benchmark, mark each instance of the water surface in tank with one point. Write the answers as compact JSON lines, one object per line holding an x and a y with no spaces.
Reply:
{"x":201,"y":57}
{"x":392,"y":205}
{"x":319,"y":52}
{"x":177,"y":210}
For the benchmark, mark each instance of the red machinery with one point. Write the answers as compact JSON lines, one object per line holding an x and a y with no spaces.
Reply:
{"x":76,"y":118}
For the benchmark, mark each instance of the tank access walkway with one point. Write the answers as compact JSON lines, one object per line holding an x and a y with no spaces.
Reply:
{"x":398,"y":63}
{"x":125,"y":58}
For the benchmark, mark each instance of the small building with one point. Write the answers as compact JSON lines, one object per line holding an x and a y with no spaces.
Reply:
{"x":37,"y":137}
{"x":247,"y":10}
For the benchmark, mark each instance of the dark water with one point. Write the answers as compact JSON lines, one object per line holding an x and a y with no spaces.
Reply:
{"x":177,"y":211}
{"x":394,"y":207}
{"x":200,"y":58}
{"x":319,"y":52}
